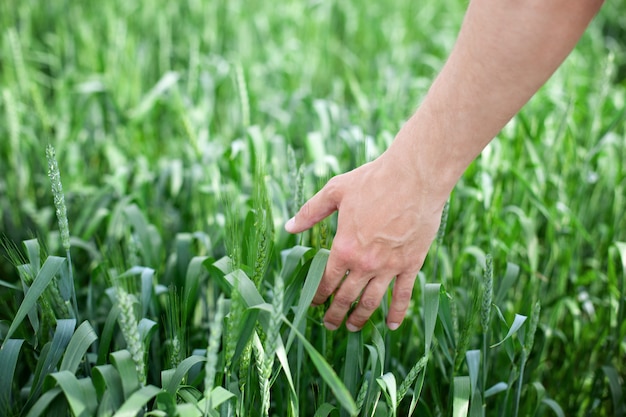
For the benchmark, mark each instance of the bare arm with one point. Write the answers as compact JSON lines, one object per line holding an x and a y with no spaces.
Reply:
{"x":506,"y":50}
{"x":389,"y":209}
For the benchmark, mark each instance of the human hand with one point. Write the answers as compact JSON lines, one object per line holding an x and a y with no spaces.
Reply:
{"x":390,"y":209}
{"x":385,"y":226}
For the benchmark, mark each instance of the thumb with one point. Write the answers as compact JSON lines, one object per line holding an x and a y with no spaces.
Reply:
{"x":320,"y":206}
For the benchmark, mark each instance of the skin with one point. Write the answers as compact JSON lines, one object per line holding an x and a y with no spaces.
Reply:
{"x":389,"y":210}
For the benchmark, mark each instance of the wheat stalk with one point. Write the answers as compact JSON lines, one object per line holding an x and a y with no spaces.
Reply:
{"x":485,"y":312}
{"x":212,"y":352}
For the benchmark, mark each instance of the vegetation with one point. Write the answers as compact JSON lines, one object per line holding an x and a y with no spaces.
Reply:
{"x":151,"y":152}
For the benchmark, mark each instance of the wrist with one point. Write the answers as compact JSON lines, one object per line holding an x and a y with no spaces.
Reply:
{"x":422,"y":149}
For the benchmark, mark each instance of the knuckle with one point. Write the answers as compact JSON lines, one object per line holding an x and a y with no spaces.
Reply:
{"x":333,"y":187}
{"x":369,"y":303}
{"x":364,"y":261}
{"x":325,"y":289}
{"x":404,"y":294}
{"x":343,"y":252}
{"x":401,"y":300}
{"x":394,"y":263}
{"x":342,"y":301}
{"x":369,"y":263}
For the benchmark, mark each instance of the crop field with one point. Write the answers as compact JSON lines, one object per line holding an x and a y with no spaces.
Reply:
{"x":151,"y":152}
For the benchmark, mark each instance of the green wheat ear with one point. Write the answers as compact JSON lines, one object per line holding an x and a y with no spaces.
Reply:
{"x":485,"y":313}
{"x":232,"y":239}
{"x":130,"y":330}
{"x":410,"y":378}
{"x":175,"y":328}
{"x":59,"y":197}
{"x":360,"y":398}
{"x":261,"y":238}
{"x":61,"y":212}
{"x":532,"y":328}
{"x":233,"y":326}
{"x":466,"y":332}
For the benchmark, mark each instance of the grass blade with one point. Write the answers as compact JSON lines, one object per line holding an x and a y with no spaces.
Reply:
{"x":8,"y":361}
{"x":82,"y":339}
{"x":510,"y":277}
{"x":313,"y":278}
{"x":218,"y":396}
{"x":34,"y":255}
{"x":617,"y":393}
{"x":291,"y":259}
{"x":166,"y":82}
{"x":432,"y":294}
{"x":106,"y":335}
{"x":353,"y":362}
{"x":388,"y":383}
{"x":48,"y":271}
{"x":41,"y":407}
{"x":193,"y":277}
{"x":136,"y":402}
{"x":554,"y":406}
{"x":460,"y":403}
{"x":496,"y":389}
{"x":109,"y":387}
{"x":123,"y":362}
{"x":473,"y":365}
{"x":181,"y":371}
{"x":9,"y":285}
{"x":80,"y":395}
{"x":517,"y":323}
{"x":431,"y":308}
{"x":149,"y":238}
{"x":621,"y":305}
{"x":324,"y":410}
{"x":248,"y":290}
{"x":327,"y":373}
{"x":281,"y":354}
{"x":49,"y":360}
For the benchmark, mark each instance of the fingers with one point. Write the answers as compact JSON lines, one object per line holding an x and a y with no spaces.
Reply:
{"x":345,"y":296}
{"x":320,"y":206}
{"x":369,"y":299}
{"x":334,"y":273}
{"x":400,"y":300}
{"x":366,"y":283}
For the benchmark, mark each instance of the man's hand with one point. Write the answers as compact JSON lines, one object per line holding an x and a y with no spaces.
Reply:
{"x":385,"y":227}
{"x":389,"y":209}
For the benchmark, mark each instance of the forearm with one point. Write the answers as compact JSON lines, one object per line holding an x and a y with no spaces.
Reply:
{"x":506,"y":50}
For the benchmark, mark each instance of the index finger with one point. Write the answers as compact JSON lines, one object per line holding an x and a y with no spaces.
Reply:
{"x":320,"y":206}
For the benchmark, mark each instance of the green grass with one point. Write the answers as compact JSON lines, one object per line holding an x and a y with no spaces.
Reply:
{"x":187,"y":132}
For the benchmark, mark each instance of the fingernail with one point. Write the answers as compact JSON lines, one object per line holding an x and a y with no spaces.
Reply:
{"x":351,"y":327}
{"x":393,"y":326}
{"x":290,"y":224}
{"x":330,"y":326}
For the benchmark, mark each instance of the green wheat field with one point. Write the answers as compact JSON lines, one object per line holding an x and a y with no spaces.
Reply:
{"x":151,"y":151}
